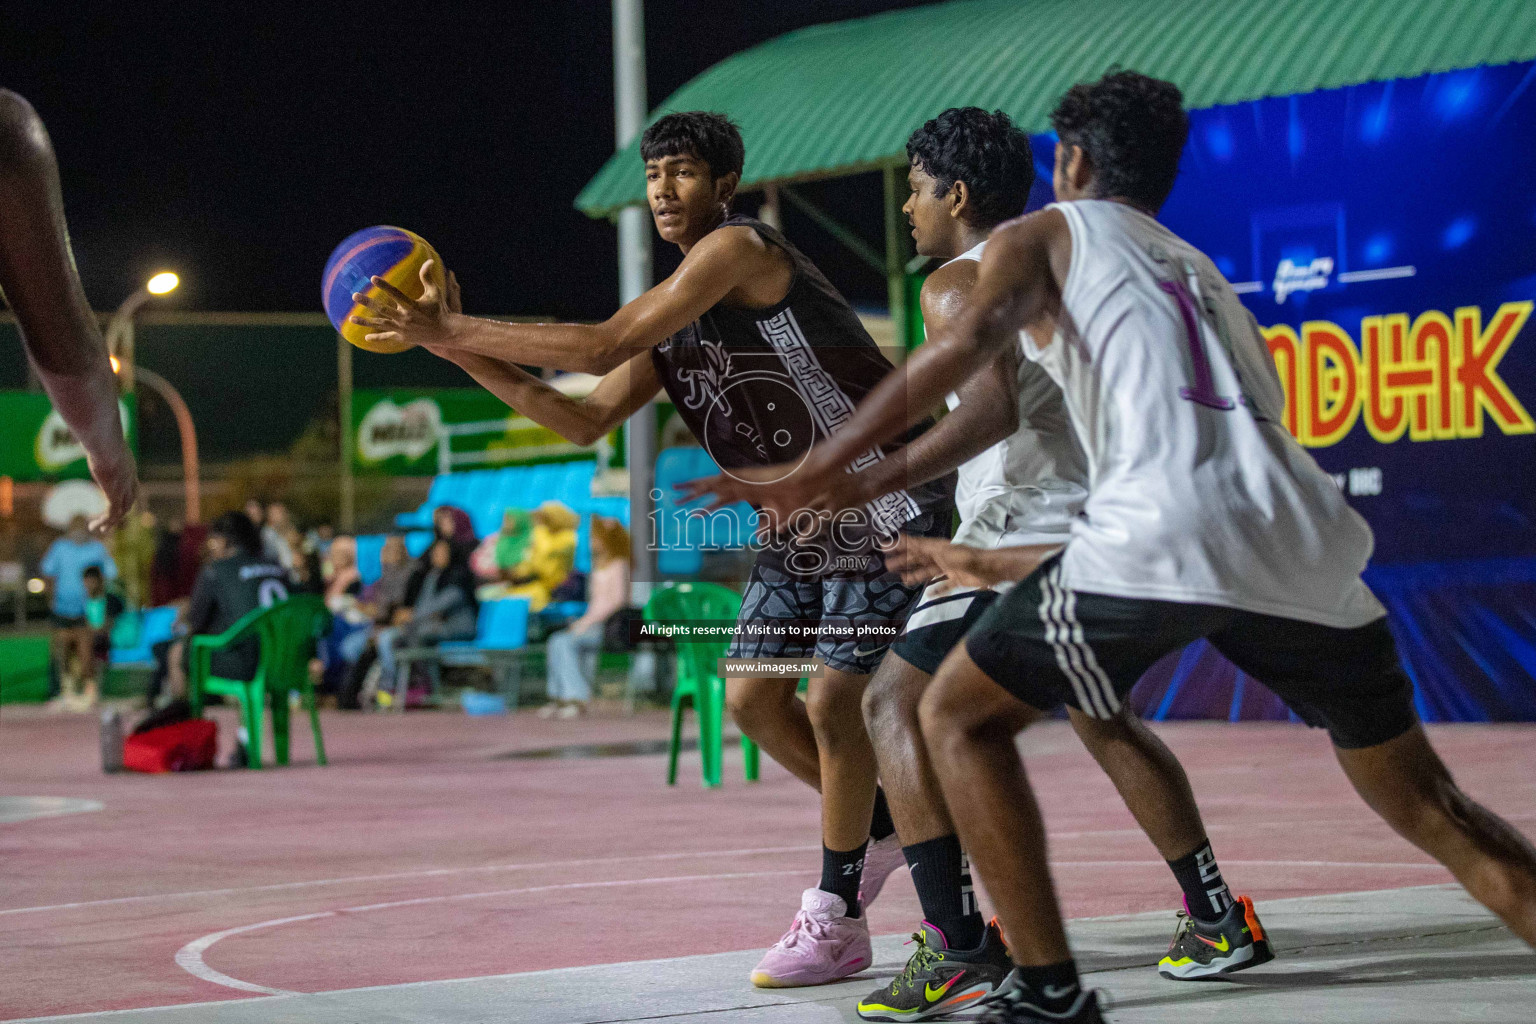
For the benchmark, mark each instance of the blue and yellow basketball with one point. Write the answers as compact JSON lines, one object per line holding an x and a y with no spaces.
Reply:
{"x":394,"y":254}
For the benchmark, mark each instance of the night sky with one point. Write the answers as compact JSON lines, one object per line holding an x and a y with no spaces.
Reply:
{"x":238,"y":144}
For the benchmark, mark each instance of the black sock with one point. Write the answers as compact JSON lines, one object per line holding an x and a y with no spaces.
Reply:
{"x":881,"y":824}
{"x":1205,"y":894}
{"x":1055,"y":986}
{"x":840,"y":875}
{"x":942,"y":875}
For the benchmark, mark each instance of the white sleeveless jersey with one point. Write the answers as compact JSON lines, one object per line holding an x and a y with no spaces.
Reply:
{"x":1197,"y":492}
{"x":1027,"y":488}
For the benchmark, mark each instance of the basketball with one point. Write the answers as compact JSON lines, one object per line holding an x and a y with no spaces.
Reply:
{"x":394,"y":254}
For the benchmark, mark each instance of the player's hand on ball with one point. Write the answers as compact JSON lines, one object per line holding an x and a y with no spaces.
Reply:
{"x":398,"y":318}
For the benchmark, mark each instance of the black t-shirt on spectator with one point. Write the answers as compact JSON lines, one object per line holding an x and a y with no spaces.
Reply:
{"x":226,"y":591}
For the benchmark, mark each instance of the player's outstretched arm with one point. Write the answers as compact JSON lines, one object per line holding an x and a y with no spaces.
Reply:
{"x":581,"y":421}
{"x":713,"y":268}
{"x":1015,"y":284}
{"x":988,"y":411}
{"x":920,"y":559}
{"x":38,"y":278}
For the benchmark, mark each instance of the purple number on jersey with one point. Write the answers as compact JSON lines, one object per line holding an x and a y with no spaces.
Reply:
{"x":1204,"y":391}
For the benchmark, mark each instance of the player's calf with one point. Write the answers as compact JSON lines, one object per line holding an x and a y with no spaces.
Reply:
{"x":1405,"y":782}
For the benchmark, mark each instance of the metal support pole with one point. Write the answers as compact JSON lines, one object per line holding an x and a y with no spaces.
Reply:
{"x":192,"y":483}
{"x":348,"y":498}
{"x":896,"y":239}
{"x":634,"y":276}
{"x":770,"y":213}
{"x":119,"y":337}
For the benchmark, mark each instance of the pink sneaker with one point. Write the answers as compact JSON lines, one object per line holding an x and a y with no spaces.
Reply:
{"x":823,"y":945}
{"x":880,"y":859}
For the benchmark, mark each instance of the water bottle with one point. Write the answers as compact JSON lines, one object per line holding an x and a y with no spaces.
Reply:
{"x":111,"y":740}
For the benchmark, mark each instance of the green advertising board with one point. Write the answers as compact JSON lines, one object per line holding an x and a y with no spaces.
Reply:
{"x":35,"y":444}
{"x":398,"y":431}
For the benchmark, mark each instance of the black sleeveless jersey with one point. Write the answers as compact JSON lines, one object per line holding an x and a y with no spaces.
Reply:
{"x":759,"y":387}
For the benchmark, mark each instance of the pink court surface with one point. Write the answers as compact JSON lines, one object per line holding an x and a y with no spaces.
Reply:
{"x":446,"y":868}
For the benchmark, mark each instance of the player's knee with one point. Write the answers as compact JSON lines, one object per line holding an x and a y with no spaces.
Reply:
{"x":948,"y":714}
{"x":751,"y":704}
{"x":834,"y":709}
{"x":23,"y":140}
{"x":890,"y":701}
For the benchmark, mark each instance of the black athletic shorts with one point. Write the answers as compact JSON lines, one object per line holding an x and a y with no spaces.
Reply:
{"x":938,"y":623}
{"x":1047,"y":645}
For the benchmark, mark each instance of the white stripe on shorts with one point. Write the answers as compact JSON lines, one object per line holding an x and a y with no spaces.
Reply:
{"x":1095,"y":693}
{"x":1049,"y":596}
{"x":1090,"y":663}
{"x":952,"y":604}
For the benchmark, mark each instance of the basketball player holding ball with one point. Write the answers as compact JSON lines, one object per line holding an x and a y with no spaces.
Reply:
{"x":58,"y":329}
{"x":763,"y":358}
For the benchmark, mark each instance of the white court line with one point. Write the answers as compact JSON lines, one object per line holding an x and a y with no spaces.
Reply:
{"x":478,"y":869}
{"x":428,"y":873}
{"x":190,"y":957}
{"x":633,"y":859}
{"x":129,"y":1012}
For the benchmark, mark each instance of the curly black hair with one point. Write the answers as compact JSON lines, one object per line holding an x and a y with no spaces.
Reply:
{"x":1133,"y":129}
{"x":986,"y":151}
{"x":712,"y":138}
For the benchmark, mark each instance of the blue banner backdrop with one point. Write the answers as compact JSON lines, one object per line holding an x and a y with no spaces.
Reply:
{"x":1384,"y":235}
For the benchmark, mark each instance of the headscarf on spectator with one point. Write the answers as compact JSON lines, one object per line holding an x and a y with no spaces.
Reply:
{"x":451,"y":523}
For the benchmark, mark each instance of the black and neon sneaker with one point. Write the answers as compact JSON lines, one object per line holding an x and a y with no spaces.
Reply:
{"x":938,"y":980}
{"x":1201,"y":950}
{"x":1015,"y":1003}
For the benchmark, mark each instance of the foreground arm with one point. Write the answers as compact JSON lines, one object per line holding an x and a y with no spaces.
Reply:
{"x":38,"y":278}
{"x":1016,"y":283}
{"x":920,"y":559}
{"x":620,"y":394}
{"x":988,"y":411}
{"x":713,"y":268}
{"x":1014,"y":286}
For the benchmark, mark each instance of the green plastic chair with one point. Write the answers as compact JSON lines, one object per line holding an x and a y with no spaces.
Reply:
{"x":698,"y":682}
{"x":286,"y":632}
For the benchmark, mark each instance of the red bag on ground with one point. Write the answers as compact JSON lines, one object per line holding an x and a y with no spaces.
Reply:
{"x":183,"y":747}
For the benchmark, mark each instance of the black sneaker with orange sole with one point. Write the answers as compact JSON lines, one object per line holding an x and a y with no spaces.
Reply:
{"x":1205,"y":949}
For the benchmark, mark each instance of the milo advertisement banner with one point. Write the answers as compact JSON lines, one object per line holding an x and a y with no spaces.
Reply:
{"x":399,"y":432}
{"x":1384,"y":236}
{"x":35,"y":443}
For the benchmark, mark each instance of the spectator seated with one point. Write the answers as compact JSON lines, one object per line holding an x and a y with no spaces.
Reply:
{"x":501,"y":636}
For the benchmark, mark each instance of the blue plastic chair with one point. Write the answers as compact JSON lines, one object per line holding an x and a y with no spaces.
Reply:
{"x":455,"y":489}
{"x":369,"y":566}
{"x":501,"y":634}
{"x":481,"y":491}
{"x":156,"y":625}
{"x":541,"y":485}
{"x":683,"y":536}
{"x":486,"y":518}
{"x":576,"y":483}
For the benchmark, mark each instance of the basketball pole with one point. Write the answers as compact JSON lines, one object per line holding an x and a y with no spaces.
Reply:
{"x":629,"y":97}
{"x":348,"y":510}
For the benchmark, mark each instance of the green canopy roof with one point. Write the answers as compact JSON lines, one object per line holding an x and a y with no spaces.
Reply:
{"x":842,"y":98}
